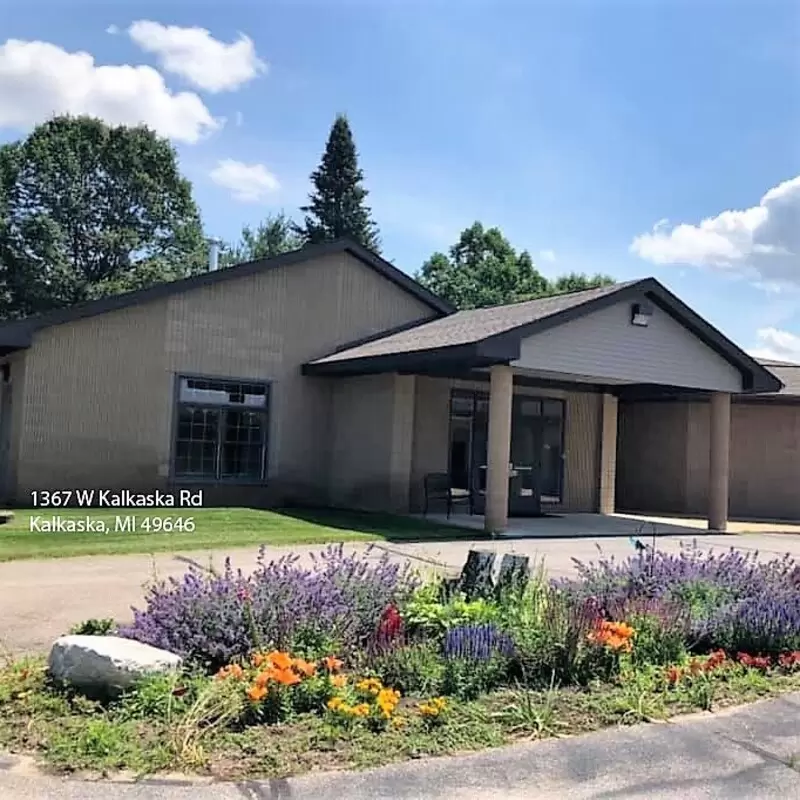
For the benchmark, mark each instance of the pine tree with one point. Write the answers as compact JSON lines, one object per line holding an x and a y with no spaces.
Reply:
{"x":336,"y":206}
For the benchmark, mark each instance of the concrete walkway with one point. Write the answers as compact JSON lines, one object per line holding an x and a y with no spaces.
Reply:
{"x":752,"y":753}
{"x":40,"y":600}
{"x":581,"y":525}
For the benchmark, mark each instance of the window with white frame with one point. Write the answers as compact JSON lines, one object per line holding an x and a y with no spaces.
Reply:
{"x":221,"y":430}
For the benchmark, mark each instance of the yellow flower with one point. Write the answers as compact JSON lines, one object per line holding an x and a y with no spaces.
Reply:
{"x":371,"y":685}
{"x":338,"y":681}
{"x":361,"y":710}
{"x":398,"y":722}
{"x":335,"y":703}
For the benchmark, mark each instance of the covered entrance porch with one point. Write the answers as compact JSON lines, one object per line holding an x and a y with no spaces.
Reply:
{"x":518,"y":404}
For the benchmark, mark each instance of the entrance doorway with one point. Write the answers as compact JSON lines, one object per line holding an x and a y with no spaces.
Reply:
{"x":537,"y":430}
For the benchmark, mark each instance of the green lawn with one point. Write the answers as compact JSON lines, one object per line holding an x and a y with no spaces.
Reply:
{"x":213,"y":528}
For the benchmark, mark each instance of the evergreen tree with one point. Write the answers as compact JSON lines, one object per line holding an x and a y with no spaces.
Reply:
{"x":336,"y":206}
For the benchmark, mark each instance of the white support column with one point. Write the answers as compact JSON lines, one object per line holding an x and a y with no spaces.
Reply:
{"x":501,"y":392}
{"x":608,"y":454}
{"x":719,"y":461}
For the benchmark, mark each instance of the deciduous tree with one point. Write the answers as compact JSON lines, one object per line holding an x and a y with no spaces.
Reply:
{"x":483,"y":269}
{"x":89,"y":210}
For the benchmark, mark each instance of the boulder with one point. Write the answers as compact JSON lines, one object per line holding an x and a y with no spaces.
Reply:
{"x":105,"y":666}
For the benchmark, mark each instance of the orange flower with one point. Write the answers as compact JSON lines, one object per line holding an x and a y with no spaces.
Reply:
{"x":338,"y":681}
{"x":256,"y":693}
{"x":230,"y":671}
{"x":257,"y":659}
{"x":332,"y":664}
{"x":263,"y":678}
{"x":306,"y":668}
{"x":285,"y":677}
{"x":280,"y":660}
{"x":674,"y":674}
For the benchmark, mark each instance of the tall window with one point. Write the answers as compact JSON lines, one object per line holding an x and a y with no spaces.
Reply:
{"x":221,"y":432}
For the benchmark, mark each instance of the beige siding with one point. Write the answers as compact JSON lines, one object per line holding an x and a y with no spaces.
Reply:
{"x":651,"y":456}
{"x":765,"y":461}
{"x":581,"y":438}
{"x":97,"y":403}
{"x":370,"y":455}
{"x":604,"y":345}
{"x":99,"y":391}
{"x":582,"y":452}
{"x":663,"y":459}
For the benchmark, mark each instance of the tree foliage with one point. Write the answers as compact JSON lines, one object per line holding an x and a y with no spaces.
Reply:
{"x":273,"y":236}
{"x":483,"y":269}
{"x":88,"y":210}
{"x":337,"y":204}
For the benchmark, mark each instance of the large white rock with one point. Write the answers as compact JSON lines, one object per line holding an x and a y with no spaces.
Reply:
{"x":102,"y":666}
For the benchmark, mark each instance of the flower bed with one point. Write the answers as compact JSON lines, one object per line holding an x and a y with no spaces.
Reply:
{"x":355,"y":660}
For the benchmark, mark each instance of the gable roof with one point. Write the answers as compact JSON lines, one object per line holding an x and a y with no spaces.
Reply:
{"x":788,"y":373}
{"x":486,"y":336}
{"x":18,"y":334}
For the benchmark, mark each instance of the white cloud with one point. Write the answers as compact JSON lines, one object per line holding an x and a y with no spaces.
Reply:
{"x":249,"y":183}
{"x":39,"y":80}
{"x":547,"y":255}
{"x":777,"y":345}
{"x":112,"y":30}
{"x":761,"y":242}
{"x":194,"y":54}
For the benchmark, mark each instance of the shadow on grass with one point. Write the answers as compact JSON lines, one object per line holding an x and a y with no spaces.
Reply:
{"x":391,"y":527}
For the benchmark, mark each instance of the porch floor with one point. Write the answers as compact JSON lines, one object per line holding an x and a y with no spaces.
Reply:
{"x":580,"y":525}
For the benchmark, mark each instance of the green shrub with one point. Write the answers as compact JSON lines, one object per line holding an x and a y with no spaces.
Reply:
{"x":468,"y":678}
{"x":427,"y":613}
{"x":160,"y":696}
{"x":94,"y":627}
{"x":656,"y":641}
{"x":416,"y":669}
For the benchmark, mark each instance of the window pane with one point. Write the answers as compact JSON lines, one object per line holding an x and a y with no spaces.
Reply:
{"x":243,"y":441}
{"x":530,"y":408}
{"x":553,"y":408}
{"x":462,"y":404}
{"x":201,"y":390}
{"x":196,"y":443}
{"x":551,"y":459}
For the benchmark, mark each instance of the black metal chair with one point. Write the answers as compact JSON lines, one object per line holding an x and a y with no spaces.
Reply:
{"x":439,"y":486}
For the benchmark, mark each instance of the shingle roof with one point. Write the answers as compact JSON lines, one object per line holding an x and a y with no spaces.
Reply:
{"x":787,"y":373}
{"x":465,"y":327}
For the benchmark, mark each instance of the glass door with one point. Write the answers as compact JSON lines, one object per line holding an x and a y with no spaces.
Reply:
{"x":524,"y":490}
{"x":537,"y":451}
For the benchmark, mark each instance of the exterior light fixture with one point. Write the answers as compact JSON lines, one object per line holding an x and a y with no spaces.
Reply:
{"x":640,"y":314}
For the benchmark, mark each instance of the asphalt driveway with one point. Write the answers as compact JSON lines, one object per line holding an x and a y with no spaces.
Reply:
{"x":40,"y":600}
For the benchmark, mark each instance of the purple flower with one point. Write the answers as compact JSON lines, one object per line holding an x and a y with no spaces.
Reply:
{"x":477,"y":643}
{"x":212,"y":618}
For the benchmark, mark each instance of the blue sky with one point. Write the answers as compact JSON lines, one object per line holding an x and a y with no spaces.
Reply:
{"x":575,"y":127}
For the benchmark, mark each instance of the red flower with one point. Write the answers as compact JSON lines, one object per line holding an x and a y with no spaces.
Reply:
{"x":754,"y":662}
{"x":789,"y":660}
{"x":391,"y":624}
